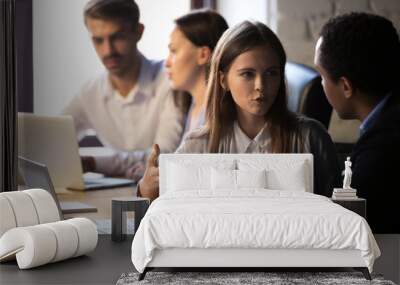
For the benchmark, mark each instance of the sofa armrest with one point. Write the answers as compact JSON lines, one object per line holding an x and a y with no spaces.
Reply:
{"x":33,"y":246}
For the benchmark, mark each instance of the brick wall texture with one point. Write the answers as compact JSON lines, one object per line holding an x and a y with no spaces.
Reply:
{"x":298,"y":22}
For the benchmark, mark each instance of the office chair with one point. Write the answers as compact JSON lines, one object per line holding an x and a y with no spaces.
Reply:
{"x":305,"y":93}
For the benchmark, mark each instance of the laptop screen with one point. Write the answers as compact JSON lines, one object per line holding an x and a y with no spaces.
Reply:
{"x":36,"y":175}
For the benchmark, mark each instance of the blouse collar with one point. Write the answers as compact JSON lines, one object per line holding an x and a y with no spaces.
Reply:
{"x":244,"y":144}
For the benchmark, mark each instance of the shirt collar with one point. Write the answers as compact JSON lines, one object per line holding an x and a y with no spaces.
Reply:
{"x":371,"y":118}
{"x":200,"y":122}
{"x":245,"y":144}
{"x":143,"y":85}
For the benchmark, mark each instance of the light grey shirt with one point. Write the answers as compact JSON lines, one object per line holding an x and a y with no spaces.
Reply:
{"x":129,"y":125}
{"x":311,"y":138}
{"x":198,"y":122}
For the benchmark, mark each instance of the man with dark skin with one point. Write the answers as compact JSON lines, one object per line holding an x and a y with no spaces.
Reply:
{"x":358,"y":57}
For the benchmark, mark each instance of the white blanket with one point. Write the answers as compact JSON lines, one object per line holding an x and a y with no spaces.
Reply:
{"x":253,"y":218}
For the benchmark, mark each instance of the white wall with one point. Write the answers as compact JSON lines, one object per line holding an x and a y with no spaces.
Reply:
{"x":158,"y":16}
{"x":63,"y":56}
{"x":236,"y":11}
{"x":298,"y":22}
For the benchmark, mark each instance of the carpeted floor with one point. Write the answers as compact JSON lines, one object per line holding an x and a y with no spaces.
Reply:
{"x":269,"y":278}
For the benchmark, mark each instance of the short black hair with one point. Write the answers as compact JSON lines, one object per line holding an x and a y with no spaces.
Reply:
{"x":364,"y":48}
{"x":120,"y":10}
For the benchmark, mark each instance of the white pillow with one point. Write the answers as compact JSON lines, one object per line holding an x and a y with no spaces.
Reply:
{"x":251,"y":178}
{"x":188,"y":174}
{"x":292,"y":179}
{"x":183,"y":177}
{"x":282,"y":174}
{"x":235,"y":179}
{"x":223,"y":179}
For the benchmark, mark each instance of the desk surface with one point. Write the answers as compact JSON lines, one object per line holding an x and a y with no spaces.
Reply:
{"x":101,"y":199}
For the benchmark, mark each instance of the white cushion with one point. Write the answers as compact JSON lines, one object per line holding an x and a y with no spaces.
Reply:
{"x":282,"y":174}
{"x":183,"y":177}
{"x":34,"y":244}
{"x":226,"y":179}
{"x":26,"y":208}
{"x":45,"y":205}
{"x":193,"y":175}
{"x":292,"y":179}
{"x":223,"y":179}
{"x":7,"y":218}
{"x":66,"y":237}
{"x":251,"y":178}
{"x":87,"y":235}
{"x":23,"y":208}
{"x":40,"y":244}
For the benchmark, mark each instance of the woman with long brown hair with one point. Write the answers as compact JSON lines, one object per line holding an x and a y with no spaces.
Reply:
{"x":192,"y":42}
{"x":247,"y":110}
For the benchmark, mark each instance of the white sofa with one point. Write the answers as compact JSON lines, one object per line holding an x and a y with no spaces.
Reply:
{"x":32,"y":232}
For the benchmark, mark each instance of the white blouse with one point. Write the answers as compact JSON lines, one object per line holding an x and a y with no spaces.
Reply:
{"x":197,"y":141}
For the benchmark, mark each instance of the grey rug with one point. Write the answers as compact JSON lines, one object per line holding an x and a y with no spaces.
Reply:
{"x":269,"y":278}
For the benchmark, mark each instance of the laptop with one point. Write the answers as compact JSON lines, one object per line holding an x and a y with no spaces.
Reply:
{"x":52,"y":141}
{"x":36,"y":175}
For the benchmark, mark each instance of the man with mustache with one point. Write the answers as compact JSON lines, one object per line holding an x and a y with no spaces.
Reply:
{"x":130,"y":106}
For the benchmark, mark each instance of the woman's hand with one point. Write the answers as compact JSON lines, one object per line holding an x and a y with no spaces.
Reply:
{"x":149,"y":185}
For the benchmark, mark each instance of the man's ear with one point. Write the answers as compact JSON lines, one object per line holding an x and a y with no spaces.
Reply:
{"x":222,"y":81}
{"x":203,"y":55}
{"x":140,"y":30}
{"x":347,"y":87}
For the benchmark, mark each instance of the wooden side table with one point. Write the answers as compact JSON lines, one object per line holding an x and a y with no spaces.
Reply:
{"x":358,"y":205}
{"x":121,"y":205}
